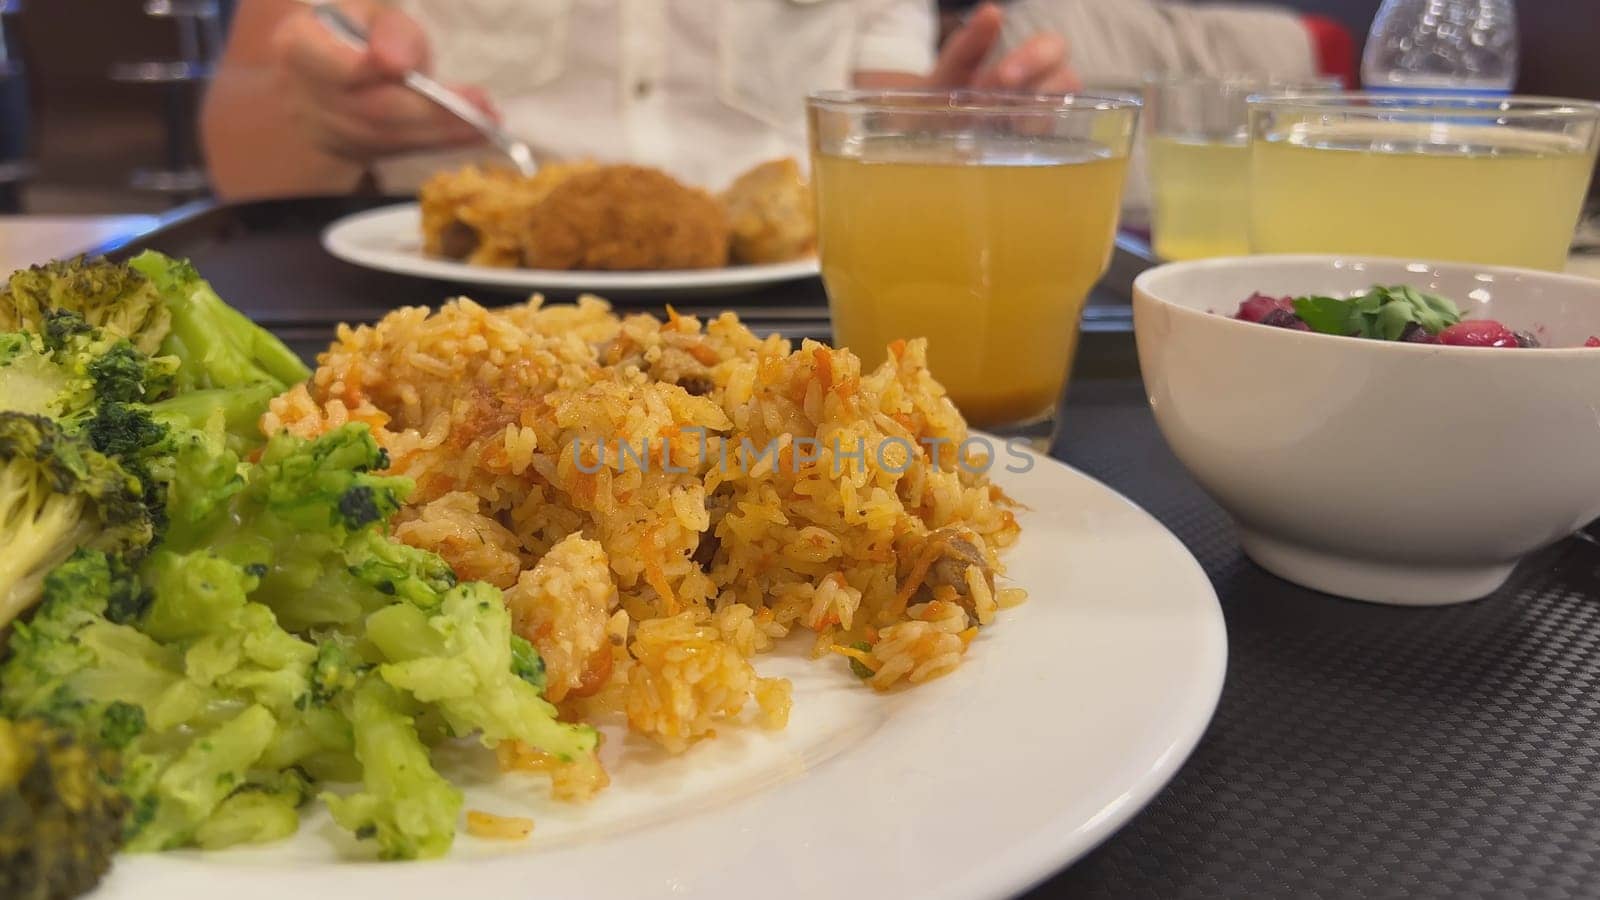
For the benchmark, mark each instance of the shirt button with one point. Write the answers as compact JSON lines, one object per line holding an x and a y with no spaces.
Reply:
{"x":642,"y":88}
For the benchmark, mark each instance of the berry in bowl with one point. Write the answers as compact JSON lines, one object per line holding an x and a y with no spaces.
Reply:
{"x":1398,"y":313}
{"x":1373,"y":442}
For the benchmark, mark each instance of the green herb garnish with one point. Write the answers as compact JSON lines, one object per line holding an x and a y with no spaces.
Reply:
{"x":1381,"y":313}
{"x":858,"y":667}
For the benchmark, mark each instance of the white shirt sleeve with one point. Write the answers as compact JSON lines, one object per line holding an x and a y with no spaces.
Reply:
{"x":1116,"y":42}
{"x":896,"y":36}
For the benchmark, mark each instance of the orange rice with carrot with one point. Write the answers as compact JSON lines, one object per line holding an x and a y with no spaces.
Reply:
{"x":662,"y":501}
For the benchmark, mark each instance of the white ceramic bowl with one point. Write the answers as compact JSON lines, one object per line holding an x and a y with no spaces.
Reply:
{"x":1395,"y":473}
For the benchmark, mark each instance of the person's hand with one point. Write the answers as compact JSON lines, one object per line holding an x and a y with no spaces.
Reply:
{"x":353,"y":104}
{"x":1040,"y":65}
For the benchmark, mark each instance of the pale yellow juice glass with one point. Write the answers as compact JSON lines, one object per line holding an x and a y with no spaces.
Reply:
{"x":976,"y":220}
{"x":1197,"y":152}
{"x":1484,"y":179}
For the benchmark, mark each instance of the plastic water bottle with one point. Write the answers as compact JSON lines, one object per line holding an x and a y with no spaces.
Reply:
{"x":1442,"y":45}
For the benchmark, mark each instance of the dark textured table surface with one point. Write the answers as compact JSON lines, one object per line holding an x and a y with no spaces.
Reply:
{"x":1357,"y":749}
{"x":1361,"y":750}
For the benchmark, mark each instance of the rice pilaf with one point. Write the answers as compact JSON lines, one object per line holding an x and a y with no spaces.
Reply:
{"x":663,"y":501}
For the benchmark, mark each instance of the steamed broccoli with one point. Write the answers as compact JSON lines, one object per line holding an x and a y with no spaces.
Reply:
{"x":102,"y":324}
{"x":277,"y":629}
{"x":219,"y":346}
{"x":337,"y":668}
{"x":527,"y":663}
{"x":238,"y":408}
{"x":192,"y":718}
{"x":70,"y":367}
{"x":160,"y":305}
{"x":73,"y":663}
{"x":461,"y":659}
{"x":261,"y":810}
{"x":32,"y":382}
{"x":406,"y":806}
{"x":309,"y":514}
{"x":116,"y":398}
{"x":60,"y":822}
{"x":58,"y":494}
{"x":107,"y":295}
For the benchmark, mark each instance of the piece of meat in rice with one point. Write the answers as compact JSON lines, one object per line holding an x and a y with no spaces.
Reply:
{"x":561,"y":606}
{"x":960,"y":572}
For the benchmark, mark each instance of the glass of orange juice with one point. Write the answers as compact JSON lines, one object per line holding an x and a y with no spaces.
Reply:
{"x":1484,"y":179}
{"x":978,"y":220}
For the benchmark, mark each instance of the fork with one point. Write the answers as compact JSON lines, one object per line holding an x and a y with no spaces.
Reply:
{"x":519,"y":152}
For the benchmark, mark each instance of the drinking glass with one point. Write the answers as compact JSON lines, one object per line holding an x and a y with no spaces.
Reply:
{"x":1197,"y":147}
{"x":978,"y":220}
{"x":1484,"y":179}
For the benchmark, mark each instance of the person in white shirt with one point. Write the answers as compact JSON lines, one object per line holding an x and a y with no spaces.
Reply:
{"x":1118,"y":43}
{"x":700,"y":88}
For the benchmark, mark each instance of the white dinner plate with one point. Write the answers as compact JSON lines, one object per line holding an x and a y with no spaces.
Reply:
{"x":390,"y":239}
{"x":1068,"y":715}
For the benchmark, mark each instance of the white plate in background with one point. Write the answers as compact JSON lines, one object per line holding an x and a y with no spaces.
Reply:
{"x":389,"y":239}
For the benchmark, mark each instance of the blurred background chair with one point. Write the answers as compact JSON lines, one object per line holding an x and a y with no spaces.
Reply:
{"x":15,"y":163}
{"x":181,"y":81}
{"x":112,"y":96}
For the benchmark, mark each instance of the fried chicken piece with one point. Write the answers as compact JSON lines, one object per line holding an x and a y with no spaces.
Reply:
{"x":478,"y":214}
{"x":771,"y":214}
{"x":626,"y":218}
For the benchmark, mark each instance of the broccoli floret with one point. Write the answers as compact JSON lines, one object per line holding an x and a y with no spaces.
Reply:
{"x":67,"y":379}
{"x":60,"y":821}
{"x":218,"y":345}
{"x":299,"y":493}
{"x":107,"y":295}
{"x":195,"y":594}
{"x":122,"y":374}
{"x":277,"y":627}
{"x":120,"y":723}
{"x":337,"y":668}
{"x":526,"y":663}
{"x":66,"y":373}
{"x":239,"y":410}
{"x":101,"y":324}
{"x":126,"y":431}
{"x":13,"y":344}
{"x":404,"y":804}
{"x":195,"y":782}
{"x":32,"y":382}
{"x":264,"y":809}
{"x":72,"y":665}
{"x":199,"y":472}
{"x":94,"y":387}
{"x":172,"y":706}
{"x":327,"y":483}
{"x":399,"y":570}
{"x":60,"y":326}
{"x":56,"y":495}
{"x":461,"y":659}
{"x":73,"y":370}
{"x":359,"y":507}
{"x":188,"y":468}
{"x":324,"y":566}
{"x":109,"y":366}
